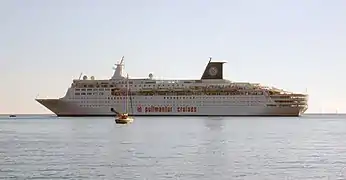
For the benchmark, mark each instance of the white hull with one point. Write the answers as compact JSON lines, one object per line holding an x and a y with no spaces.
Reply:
{"x":67,"y":108}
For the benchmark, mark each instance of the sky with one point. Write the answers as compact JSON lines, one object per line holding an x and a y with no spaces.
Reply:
{"x":296,"y":45}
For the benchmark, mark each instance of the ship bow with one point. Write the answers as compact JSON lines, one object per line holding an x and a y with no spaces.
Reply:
{"x":58,"y":106}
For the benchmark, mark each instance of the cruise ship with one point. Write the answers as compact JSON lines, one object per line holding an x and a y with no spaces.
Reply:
{"x":211,"y":95}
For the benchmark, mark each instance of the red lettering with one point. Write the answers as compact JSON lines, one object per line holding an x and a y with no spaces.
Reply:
{"x":160,"y":109}
{"x":186,"y":109}
{"x":139,"y":109}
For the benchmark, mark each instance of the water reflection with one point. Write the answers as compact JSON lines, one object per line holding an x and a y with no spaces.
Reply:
{"x":214,"y":147}
{"x":214,"y":123}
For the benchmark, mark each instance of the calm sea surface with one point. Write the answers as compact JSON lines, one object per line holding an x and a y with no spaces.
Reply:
{"x":44,"y":147}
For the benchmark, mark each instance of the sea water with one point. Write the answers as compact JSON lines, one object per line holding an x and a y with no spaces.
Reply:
{"x":48,"y":147}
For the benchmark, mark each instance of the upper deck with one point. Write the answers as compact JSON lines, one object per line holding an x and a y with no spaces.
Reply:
{"x":211,"y":80}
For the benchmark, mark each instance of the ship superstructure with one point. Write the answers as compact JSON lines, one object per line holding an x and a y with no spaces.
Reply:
{"x":211,"y":95}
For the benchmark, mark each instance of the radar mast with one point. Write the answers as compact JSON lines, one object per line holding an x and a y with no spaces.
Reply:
{"x":118,"y":73}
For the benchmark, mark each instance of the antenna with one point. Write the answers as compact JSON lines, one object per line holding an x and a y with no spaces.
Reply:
{"x":210,"y":58}
{"x":122,"y":60}
{"x":121,"y":63}
{"x":80,"y":75}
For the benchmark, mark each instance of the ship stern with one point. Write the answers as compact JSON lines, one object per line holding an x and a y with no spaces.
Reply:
{"x":287,"y":103}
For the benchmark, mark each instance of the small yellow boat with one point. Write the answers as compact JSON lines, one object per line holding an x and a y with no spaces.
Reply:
{"x":123,"y":119}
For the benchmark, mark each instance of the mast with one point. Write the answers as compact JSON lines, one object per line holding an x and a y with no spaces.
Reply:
{"x":127,"y":92}
{"x":130,"y":94}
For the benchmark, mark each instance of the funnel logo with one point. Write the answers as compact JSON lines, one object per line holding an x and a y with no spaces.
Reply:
{"x":212,"y":71}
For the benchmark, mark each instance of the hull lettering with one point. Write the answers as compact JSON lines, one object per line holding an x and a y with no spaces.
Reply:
{"x":187,"y":109}
{"x":163,"y":109}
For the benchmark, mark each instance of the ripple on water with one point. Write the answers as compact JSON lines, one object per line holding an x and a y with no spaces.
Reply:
{"x":204,"y":148}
